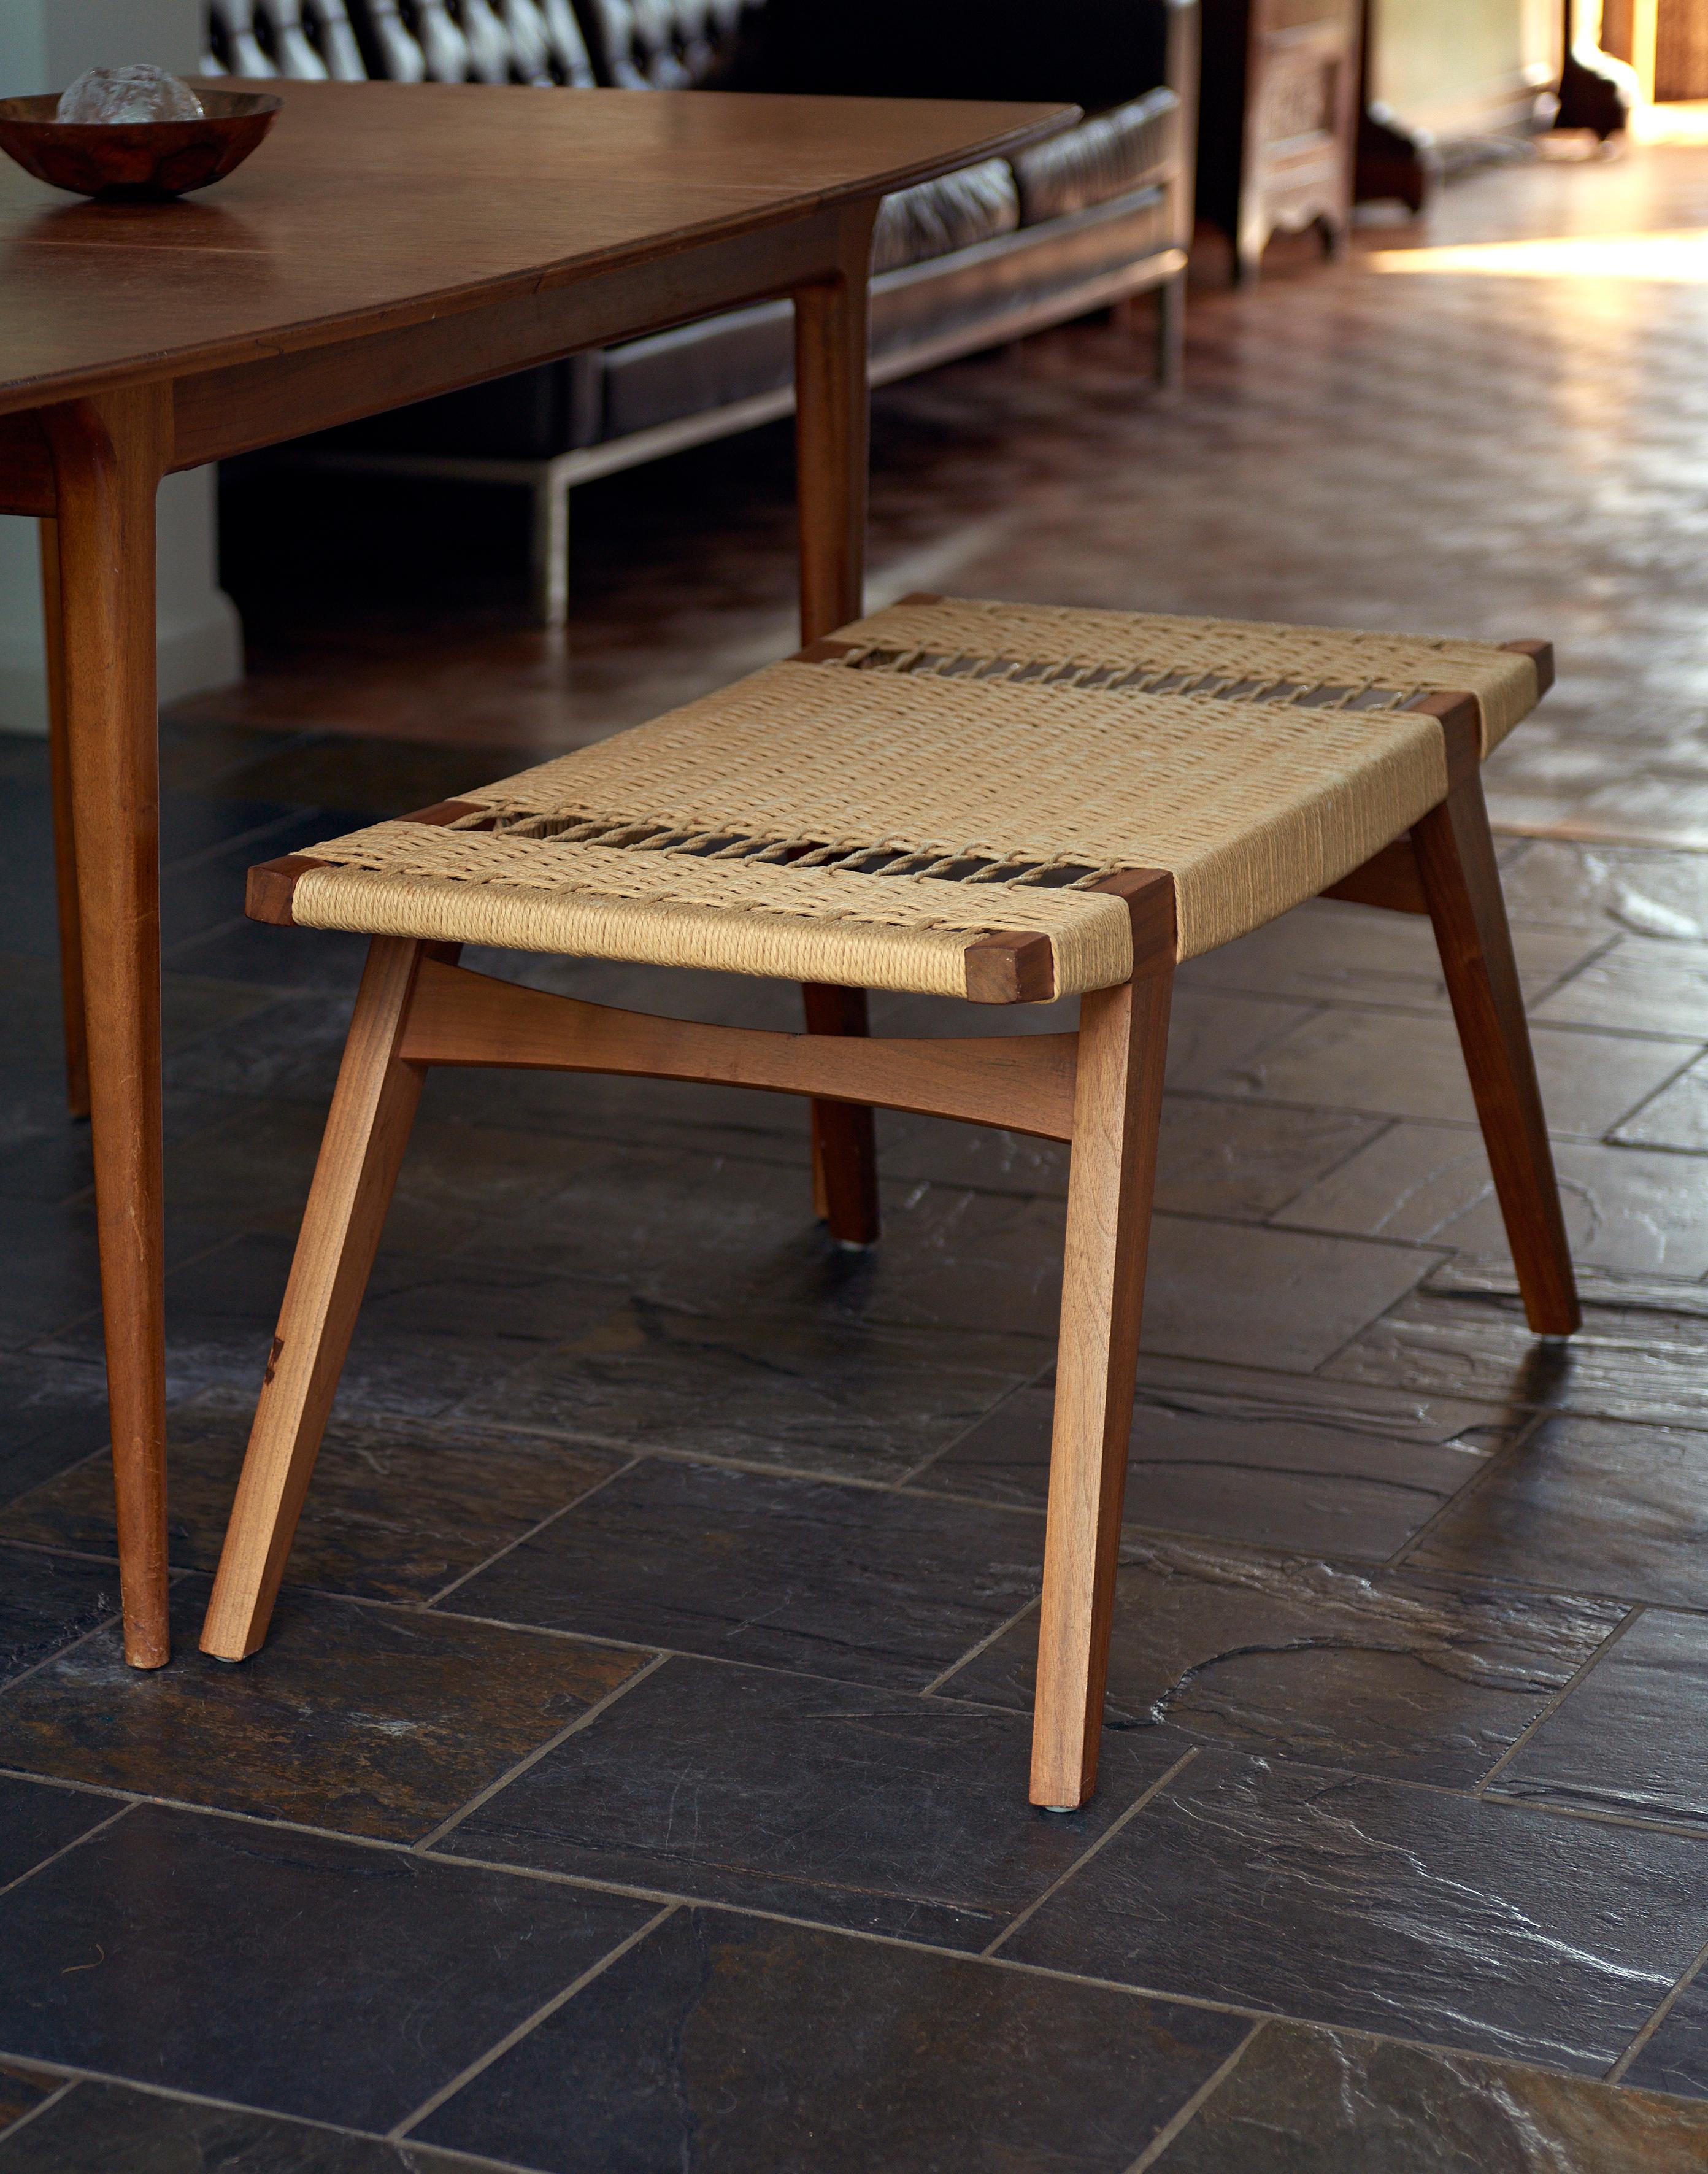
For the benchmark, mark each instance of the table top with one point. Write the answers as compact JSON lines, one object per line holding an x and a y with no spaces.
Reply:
{"x":376,"y":205}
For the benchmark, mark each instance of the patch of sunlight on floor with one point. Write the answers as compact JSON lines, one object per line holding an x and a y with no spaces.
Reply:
{"x":1678,"y":259}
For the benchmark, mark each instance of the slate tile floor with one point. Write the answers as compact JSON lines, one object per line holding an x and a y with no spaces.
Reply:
{"x":636,"y":1777}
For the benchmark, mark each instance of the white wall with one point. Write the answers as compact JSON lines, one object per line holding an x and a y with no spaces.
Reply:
{"x":43,"y":45}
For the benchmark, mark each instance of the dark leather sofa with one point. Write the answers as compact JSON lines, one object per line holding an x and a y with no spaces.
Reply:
{"x":1096,"y":214}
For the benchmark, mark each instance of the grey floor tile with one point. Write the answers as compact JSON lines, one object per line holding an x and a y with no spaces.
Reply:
{"x":395,"y":1511}
{"x":1233,"y":1454}
{"x":1215,"y":1033}
{"x":1589,"y":1505}
{"x":1642,"y":985}
{"x":48,"y":1601}
{"x":1628,"y":1739}
{"x":1259,"y":1297}
{"x":1325,"y":952}
{"x":870,"y":1809}
{"x":1377,"y":1906}
{"x":848,"y":1582}
{"x":1641,"y":1213}
{"x":53,"y":1414}
{"x":1412,"y":1066}
{"x":1215,"y":1158}
{"x":1676,"y":1117}
{"x":806,"y":1389}
{"x":110,"y":2128}
{"x":1675,"y":2058}
{"x":1338,"y":2103}
{"x":291,"y":1972}
{"x":1638,"y":1356}
{"x":363,"y":1721}
{"x":1423,"y":1678}
{"x":36,"y":1820}
{"x":724,"y":2041}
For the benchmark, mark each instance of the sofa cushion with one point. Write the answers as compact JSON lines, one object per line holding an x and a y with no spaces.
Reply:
{"x":951,"y":212}
{"x":659,"y":44}
{"x":1100,"y":160}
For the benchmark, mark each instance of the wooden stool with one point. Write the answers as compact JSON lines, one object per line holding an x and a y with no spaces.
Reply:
{"x":1000,"y":802}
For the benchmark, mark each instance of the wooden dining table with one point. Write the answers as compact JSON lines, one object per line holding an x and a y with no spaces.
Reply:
{"x":386,"y":243}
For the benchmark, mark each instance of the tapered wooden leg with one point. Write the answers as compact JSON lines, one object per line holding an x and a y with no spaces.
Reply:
{"x":831,"y":410}
{"x":845,"y":1141}
{"x":64,"y":831}
{"x":1117,"y":1108}
{"x":367,"y":1131}
{"x":109,"y":455}
{"x":1461,"y":885}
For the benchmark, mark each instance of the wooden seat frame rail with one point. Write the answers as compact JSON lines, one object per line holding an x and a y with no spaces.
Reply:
{"x":1099,"y":1088}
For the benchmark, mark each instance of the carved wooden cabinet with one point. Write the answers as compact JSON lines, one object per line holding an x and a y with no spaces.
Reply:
{"x":1277,"y":119}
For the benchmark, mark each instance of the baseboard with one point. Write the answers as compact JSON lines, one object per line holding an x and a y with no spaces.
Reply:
{"x":195,"y":651}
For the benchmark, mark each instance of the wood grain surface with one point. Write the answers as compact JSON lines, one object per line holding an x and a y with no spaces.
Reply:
{"x":373,"y":206}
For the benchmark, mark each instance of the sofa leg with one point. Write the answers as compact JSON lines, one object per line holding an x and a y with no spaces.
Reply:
{"x":1172,"y":332}
{"x":1117,"y":1109}
{"x":549,"y":548}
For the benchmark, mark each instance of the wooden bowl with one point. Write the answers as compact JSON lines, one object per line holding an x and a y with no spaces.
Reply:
{"x":146,"y":159}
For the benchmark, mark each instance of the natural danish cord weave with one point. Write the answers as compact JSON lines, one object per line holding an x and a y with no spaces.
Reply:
{"x":1257,"y":661}
{"x":862,"y":825}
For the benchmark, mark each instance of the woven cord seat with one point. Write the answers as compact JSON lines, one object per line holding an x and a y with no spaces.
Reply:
{"x":995,"y":801}
{"x":873,"y":813}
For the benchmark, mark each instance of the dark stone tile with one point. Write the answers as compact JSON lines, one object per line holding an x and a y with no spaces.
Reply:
{"x":848,"y":1582}
{"x":49,"y":1275}
{"x":948,"y":1259}
{"x":1284,"y":1299}
{"x":109,"y":2129}
{"x":395,"y":1511}
{"x":866,"y":1808}
{"x":1637,"y":1214}
{"x":811,"y":1389}
{"x":29,"y":991}
{"x":367,"y":1721}
{"x":292,"y":1972}
{"x":1368,"y":1060}
{"x":47,"y":1601}
{"x":729,"y":2041}
{"x":666,"y":1225}
{"x":1333,"y":2102}
{"x":1639,"y":1355}
{"x":1629,"y":1737}
{"x":672,"y":1115}
{"x":1327,"y":952}
{"x":1212,"y":1035}
{"x":1375,"y":1905}
{"x":35,"y":1820}
{"x":53,"y":1414}
{"x":22,"y":2089}
{"x":46,"y":1155}
{"x":1237,"y":1455}
{"x":1388,"y":1673}
{"x":1238,"y":1159}
{"x":1589,"y":1505}
{"x":1676,"y":2058}
{"x":286,"y":1045}
{"x":429,"y":1333}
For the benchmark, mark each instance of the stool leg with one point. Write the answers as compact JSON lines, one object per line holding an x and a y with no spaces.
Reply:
{"x":844,"y":1137}
{"x":1461,"y":883}
{"x":367,"y":1130}
{"x":1117,"y":1108}
{"x":64,"y":836}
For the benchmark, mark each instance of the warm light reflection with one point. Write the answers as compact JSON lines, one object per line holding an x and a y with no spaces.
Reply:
{"x":1671,"y":259}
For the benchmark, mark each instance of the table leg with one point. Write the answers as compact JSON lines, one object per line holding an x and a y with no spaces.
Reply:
{"x":831,"y":419}
{"x":109,"y":454}
{"x":64,"y":832}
